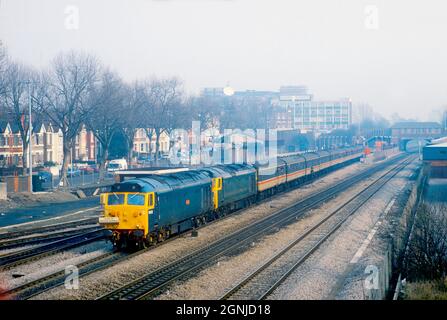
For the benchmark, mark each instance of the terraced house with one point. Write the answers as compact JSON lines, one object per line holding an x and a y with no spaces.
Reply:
{"x":46,"y":144}
{"x":10,"y":145}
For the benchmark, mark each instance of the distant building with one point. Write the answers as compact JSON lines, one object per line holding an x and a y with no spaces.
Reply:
{"x":298,"y":93}
{"x":416,"y":129}
{"x":294,"y":108}
{"x":10,"y":145}
{"x":53,"y":141}
{"x":85,"y":146}
{"x":257,"y":94}
{"x":219,"y":92}
{"x":143,"y":146}
{"x":46,"y":144}
{"x":298,"y":110}
{"x":403,"y":132}
{"x":289,"y":140}
{"x":213,"y":92}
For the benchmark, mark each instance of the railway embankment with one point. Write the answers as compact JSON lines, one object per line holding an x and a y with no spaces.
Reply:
{"x":425,"y":264}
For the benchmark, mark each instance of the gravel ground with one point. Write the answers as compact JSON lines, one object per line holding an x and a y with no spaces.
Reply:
{"x":48,"y":265}
{"x":351,"y":286}
{"x":8,"y":251}
{"x":104,"y":281}
{"x":319,"y":277}
{"x":25,"y":199}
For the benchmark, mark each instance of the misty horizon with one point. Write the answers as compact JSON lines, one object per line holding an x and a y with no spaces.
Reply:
{"x":392,"y":59}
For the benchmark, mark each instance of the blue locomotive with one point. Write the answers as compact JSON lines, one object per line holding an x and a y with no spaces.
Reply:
{"x":144,"y":211}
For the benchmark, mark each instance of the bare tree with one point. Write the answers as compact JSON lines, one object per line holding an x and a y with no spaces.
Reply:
{"x":106,"y":105}
{"x":247,"y":108}
{"x":428,"y":248}
{"x":132,"y":118}
{"x":3,"y":67}
{"x":15,"y":98}
{"x":178,"y":117}
{"x":64,"y":94}
{"x":203,"y":109}
{"x":161,"y":98}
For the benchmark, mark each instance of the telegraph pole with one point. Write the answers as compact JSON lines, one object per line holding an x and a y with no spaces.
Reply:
{"x":30,"y":143}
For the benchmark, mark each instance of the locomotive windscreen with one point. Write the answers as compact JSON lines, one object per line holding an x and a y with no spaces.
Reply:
{"x":126,"y":187}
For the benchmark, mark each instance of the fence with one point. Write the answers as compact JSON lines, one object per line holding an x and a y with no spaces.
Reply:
{"x":16,"y":184}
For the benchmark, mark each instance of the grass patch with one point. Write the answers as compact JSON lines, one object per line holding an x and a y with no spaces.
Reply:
{"x":426,"y":290}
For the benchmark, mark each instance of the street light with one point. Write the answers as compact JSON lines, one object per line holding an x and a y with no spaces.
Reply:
{"x":30,"y":143}
{"x":30,"y":181}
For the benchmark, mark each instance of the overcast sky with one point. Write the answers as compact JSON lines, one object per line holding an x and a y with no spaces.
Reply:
{"x":391,"y":54}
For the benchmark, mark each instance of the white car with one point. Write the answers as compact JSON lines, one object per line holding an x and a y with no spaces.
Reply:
{"x":116,"y":165}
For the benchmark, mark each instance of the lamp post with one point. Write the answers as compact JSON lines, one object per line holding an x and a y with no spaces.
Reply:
{"x":30,"y":143}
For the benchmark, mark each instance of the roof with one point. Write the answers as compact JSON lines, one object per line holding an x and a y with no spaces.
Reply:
{"x":439,"y":141}
{"x":146,"y":172}
{"x":415,"y":125}
{"x":3,"y":125}
{"x":14,"y":127}
{"x":439,"y":145}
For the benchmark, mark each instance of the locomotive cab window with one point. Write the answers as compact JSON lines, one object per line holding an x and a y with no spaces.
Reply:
{"x":136,"y":199}
{"x":115,"y":199}
{"x":151,"y":200}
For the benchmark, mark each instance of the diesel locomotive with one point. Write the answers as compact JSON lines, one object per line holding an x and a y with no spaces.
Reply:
{"x":143,"y":211}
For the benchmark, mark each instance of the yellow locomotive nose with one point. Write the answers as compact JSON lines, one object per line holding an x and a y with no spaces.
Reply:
{"x":125,"y":213}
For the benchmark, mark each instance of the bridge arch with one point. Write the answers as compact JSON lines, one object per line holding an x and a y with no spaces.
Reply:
{"x":413,"y":144}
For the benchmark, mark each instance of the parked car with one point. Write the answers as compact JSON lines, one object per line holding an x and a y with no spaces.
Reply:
{"x":88,"y":170}
{"x":117,"y":164}
{"x":45,"y":176}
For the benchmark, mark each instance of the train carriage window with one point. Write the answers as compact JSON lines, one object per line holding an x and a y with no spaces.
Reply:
{"x":115,"y":199}
{"x":136,"y":199}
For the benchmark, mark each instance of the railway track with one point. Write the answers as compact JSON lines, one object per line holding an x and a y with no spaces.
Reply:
{"x":262,"y":282}
{"x":45,"y":237}
{"x":54,"y":227}
{"x":41,"y":285}
{"x":38,"y":286}
{"x":8,"y":261}
{"x":155,"y":282}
